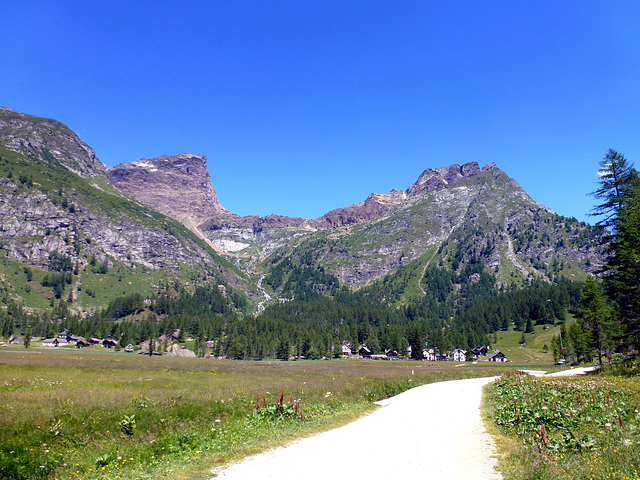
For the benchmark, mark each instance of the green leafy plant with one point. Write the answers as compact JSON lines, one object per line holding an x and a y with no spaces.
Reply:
{"x":128,"y":425}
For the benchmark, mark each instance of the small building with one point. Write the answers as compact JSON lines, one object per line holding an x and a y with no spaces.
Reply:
{"x":390,"y":353}
{"x":54,"y":342}
{"x":346,"y":350}
{"x":129,"y":348}
{"x":458,"y":355}
{"x":95,"y":341}
{"x":364,"y":352}
{"x":109,"y":342}
{"x":479,"y":352}
{"x":13,"y":339}
{"x":498,"y":356}
{"x":429,"y":354}
{"x":80,"y":342}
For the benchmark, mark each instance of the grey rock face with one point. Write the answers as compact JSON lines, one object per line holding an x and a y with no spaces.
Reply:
{"x":48,"y":141}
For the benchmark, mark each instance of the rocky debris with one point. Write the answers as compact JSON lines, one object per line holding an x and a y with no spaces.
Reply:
{"x":48,"y":141}
{"x":176,"y":350}
{"x":178,"y":186}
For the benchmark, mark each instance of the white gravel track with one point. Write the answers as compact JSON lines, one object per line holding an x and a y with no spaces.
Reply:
{"x":433,"y":430}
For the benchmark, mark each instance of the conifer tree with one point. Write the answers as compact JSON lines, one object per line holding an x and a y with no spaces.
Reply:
{"x":594,"y":316}
{"x":620,"y":194}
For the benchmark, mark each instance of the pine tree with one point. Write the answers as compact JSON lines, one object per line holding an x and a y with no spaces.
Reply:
{"x":616,"y":176}
{"x":620,"y":192}
{"x":594,"y":316}
{"x":283,"y":349}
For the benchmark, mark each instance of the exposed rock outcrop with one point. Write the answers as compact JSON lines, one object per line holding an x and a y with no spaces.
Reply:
{"x":376,"y":205}
{"x":436,"y":178}
{"x":177,"y":185}
{"x":48,"y":141}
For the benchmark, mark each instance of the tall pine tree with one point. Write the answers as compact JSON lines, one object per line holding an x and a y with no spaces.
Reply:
{"x":619,"y":192}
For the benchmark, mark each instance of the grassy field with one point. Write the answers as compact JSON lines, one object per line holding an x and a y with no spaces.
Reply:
{"x":77,"y":414}
{"x":533,"y":351}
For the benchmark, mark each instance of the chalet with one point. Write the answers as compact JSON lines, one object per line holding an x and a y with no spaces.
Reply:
{"x":109,"y":342}
{"x":346,"y":350}
{"x":364,"y":352}
{"x":390,"y":353}
{"x":95,"y":341}
{"x":458,"y":355}
{"x":498,"y":356}
{"x":429,"y":354}
{"x":13,"y":339}
{"x":479,"y":352}
{"x":80,"y":342}
{"x":54,"y":342}
{"x":63,"y":334}
{"x":72,"y":339}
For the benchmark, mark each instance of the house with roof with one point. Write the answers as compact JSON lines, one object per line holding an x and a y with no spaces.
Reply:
{"x":13,"y":339}
{"x":364,"y":352}
{"x":109,"y":342}
{"x":430,"y":354}
{"x":55,"y":342}
{"x":458,"y":355}
{"x":346,"y":349}
{"x":498,"y":356}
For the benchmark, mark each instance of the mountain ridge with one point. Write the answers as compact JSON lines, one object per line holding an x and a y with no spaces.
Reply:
{"x":57,"y":198}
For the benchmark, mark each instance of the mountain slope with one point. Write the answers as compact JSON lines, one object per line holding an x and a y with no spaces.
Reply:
{"x":482,"y":215}
{"x":59,"y":213}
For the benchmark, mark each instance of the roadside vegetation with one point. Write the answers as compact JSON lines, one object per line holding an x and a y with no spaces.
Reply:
{"x":567,"y":428}
{"x":72,"y":414}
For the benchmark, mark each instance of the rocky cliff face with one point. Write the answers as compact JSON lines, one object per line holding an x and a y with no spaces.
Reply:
{"x":178,"y":186}
{"x":434,"y":179}
{"x":376,"y":205}
{"x":48,"y":141}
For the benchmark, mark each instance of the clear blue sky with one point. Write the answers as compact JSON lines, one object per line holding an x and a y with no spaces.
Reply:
{"x":302,"y":106}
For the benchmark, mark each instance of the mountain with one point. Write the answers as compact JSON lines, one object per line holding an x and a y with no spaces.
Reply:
{"x":59,"y":203}
{"x":482,"y":215}
{"x":448,"y":217}
{"x":59,"y":214}
{"x":461,"y":252}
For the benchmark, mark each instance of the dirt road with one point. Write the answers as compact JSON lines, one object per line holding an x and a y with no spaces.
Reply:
{"x":434,"y":430}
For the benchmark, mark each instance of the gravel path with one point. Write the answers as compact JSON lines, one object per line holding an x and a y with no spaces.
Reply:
{"x":433,"y":430}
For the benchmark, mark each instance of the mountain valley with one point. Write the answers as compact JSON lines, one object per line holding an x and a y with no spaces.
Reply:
{"x":80,"y":238}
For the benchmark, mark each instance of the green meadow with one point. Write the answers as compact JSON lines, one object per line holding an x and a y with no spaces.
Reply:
{"x":71,"y":414}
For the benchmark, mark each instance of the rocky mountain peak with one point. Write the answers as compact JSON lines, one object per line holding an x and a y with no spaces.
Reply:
{"x":436,"y":178}
{"x":48,"y":141}
{"x":177,"y":185}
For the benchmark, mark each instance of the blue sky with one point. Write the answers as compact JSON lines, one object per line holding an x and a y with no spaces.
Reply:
{"x":302,"y":107}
